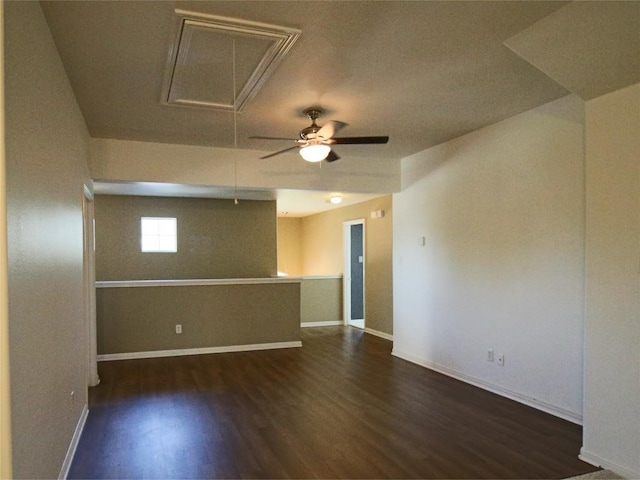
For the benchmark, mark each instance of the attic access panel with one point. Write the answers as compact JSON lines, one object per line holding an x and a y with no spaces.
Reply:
{"x":200,"y":70}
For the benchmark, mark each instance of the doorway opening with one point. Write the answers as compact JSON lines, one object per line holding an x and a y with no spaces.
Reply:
{"x":354,"y":260}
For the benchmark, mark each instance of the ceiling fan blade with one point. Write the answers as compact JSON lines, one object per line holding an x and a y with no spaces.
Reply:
{"x":272,"y":138}
{"x":332,"y":157}
{"x":358,"y":140}
{"x":329,"y":129}
{"x":278,"y":152}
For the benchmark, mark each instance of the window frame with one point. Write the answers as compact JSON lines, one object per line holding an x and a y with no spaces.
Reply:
{"x":158,"y":235}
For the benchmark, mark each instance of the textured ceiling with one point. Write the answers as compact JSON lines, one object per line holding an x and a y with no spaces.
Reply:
{"x":421,"y":72}
{"x":588,"y":49}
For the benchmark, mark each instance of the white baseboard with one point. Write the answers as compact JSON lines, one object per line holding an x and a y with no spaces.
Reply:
{"x":75,"y":440}
{"x":377,"y":333}
{"x":572,"y":417}
{"x":330,"y":323}
{"x":197,"y":351}
{"x":597,"y":461}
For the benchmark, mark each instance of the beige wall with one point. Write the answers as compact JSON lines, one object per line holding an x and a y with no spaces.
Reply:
{"x":612,"y":324}
{"x":141,"y":319}
{"x":46,"y":155}
{"x":216,"y":239}
{"x":321,"y":300}
{"x":323,"y":254}
{"x":501,"y":211}
{"x":290,"y":245}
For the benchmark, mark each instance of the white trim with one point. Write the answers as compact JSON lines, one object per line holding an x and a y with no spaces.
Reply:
{"x":378,"y":333}
{"x":572,"y":417}
{"x":596,"y":461}
{"x":75,"y":440}
{"x":309,"y":277}
{"x":197,"y":351}
{"x":89,"y":281}
{"x":281,"y":39}
{"x":320,"y":277}
{"x":329,"y":323}
{"x":5,"y":381}
{"x":590,"y":458}
{"x":170,"y":235}
{"x":193,"y":282}
{"x":88,"y":192}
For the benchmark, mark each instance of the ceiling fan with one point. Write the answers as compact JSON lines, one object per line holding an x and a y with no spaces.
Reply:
{"x":315,"y":142}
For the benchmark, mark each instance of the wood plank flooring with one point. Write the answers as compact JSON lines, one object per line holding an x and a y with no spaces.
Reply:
{"x":339,"y":407}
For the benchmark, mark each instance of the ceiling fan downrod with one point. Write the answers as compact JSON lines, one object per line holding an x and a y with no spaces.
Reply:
{"x":313,"y":114}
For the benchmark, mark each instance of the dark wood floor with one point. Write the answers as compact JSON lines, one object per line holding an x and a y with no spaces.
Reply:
{"x":340,"y":407}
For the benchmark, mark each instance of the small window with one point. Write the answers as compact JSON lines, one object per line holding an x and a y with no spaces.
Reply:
{"x":158,"y":234}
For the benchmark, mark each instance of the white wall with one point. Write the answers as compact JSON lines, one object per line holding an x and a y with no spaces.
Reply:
{"x":47,"y":146}
{"x":502,"y":214}
{"x":130,"y":161}
{"x":612,"y":325}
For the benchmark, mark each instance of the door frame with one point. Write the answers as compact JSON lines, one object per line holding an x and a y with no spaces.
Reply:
{"x":89,"y":274}
{"x":346,"y":283}
{"x":5,"y":395}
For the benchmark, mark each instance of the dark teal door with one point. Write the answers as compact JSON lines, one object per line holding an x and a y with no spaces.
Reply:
{"x":357,"y":272}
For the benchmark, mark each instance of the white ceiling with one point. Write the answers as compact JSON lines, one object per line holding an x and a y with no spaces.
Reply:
{"x":422,"y":72}
{"x":591,"y":48}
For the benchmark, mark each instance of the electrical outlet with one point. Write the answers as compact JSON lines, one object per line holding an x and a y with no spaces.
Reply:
{"x":501,"y":359}
{"x":178,"y":328}
{"x":490,"y":355}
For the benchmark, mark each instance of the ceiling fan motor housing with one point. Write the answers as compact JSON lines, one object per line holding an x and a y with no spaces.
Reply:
{"x":309,"y":133}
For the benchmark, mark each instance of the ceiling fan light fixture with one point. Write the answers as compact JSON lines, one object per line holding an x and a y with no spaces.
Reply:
{"x":314,"y":140}
{"x":315,"y":152}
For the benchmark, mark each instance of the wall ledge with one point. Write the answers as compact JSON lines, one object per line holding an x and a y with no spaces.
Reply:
{"x":193,"y":282}
{"x":198,"y":351}
{"x":319,"y":277}
{"x":311,"y":277}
